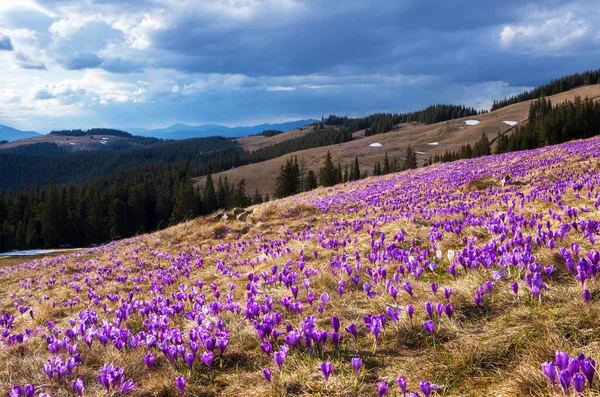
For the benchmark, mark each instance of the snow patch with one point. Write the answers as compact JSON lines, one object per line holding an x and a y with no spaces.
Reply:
{"x":376,"y":144}
{"x":433,"y":143}
{"x":28,"y":252}
{"x":511,"y":123}
{"x":472,"y":122}
{"x":72,"y":143}
{"x":104,"y":142}
{"x":420,"y":152}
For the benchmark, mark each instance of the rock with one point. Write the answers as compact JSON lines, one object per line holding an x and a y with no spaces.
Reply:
{"x":243,"y":216}
{"x":238,"y":211}
{"x":227,"y":216}
{"x":218,"y":217}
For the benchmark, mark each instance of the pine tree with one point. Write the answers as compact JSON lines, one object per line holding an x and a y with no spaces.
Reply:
{"x":410,"y":161}
{"x":257,"y":197}
{"x":327,"y":176}
{"x":288,"y":181}
{"x":239,"y":198}
{"x":386,"y":165}
{"x":209,"y":197}
{"x":355,"y":170}
{"x":311,"y":180}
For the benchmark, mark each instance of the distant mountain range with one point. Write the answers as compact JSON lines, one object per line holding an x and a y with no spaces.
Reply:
{"x":184,"y":131}
{"x":12,"y":134}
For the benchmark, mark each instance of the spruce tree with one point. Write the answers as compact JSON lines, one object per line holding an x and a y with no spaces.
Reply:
{"x":355,"y":170}
{"x":327,"y":176}
{"x":311,"y":180}
{"x":209,"y":196}
{"x":386,"y":165}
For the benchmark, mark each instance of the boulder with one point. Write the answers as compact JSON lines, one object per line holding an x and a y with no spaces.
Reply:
{"x":228,"y":216}
{"x":243,"y":216}
{"x":238,"y":211}
{"x":218,"y":217}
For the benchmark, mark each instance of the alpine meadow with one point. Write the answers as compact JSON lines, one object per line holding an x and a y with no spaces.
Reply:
{"x":299,"y":198}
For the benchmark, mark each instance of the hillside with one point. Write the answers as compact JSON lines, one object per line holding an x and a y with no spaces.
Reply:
{"x":71,"y":144}
{"x":449,"y":135}
{"x":493,"y":270}
{"x":12,"y":134}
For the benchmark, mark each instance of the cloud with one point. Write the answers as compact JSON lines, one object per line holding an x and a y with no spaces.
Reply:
{"x":27,"y":62}
{"x":154,"y":61}
{"x":5,"y":43}
{"x":554,"y":35}
{"x":43,"y":95}
{"x":82,"y":61}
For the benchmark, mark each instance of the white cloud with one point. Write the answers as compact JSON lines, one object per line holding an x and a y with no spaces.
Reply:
{"x":553,"y":35}
{"x":280,"y":88}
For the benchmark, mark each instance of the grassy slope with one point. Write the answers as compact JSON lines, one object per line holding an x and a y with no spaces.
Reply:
{"x":451,"y":135}
{"x":493,"y":349}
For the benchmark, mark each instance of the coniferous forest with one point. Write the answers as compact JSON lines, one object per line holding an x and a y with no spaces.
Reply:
{"x":557,"y":86}
{"x":380,"y":123}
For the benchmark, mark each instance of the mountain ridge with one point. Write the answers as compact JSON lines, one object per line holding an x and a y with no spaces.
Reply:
{"x":12,"y":134}
{"x":180,"y":131}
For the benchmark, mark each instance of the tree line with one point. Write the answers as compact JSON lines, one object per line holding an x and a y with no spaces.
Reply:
{"x":556,"y":86}
{"x":550,"y":125}
{"x":380,"y":123}
{"x":292,"y":179}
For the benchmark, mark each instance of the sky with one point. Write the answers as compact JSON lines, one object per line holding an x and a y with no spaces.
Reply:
{"x":152,"y":63}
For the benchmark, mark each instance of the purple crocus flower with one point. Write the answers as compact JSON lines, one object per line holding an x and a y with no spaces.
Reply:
{"x":189,"y":359}
{"x":578,"y":382}
{"x":351,"y":329}
{"x":562,"y":359}
{"x":565,"y":380}
{"x":207,"y":358}
{"x":267,"y":374}
{"x":326,"y":368}
{"x":149,"y":360}
{"x":429,"y":327}
{"x":447,"y":293}
{"x":402,"y":384}
{"x":573,"y":366}
{"x":425,"y":388}
{"x":127,"y":386}
{"x":180,"y":382}
{"x":279,"y":359}
{"x":434,"y":288}
{"x":549,"y":370}
{"x":335,"y":323}
{"x":588,"y":367}
{"x":429,"y":309}
{"x":410,"y":309}
{"x":586,"y":296}
{"x":356,"y":364}
{"x":382,"y":389}
{"x":78,"y":386}
{"x":17,"y":391}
